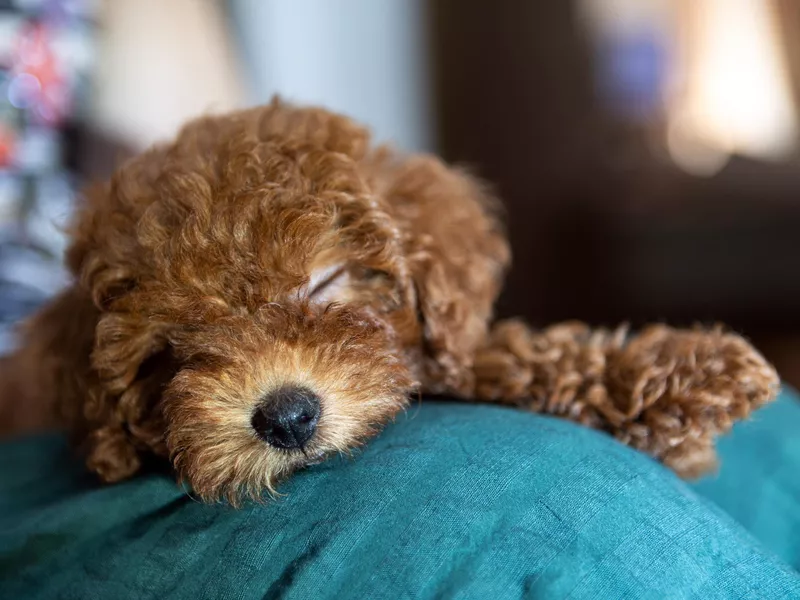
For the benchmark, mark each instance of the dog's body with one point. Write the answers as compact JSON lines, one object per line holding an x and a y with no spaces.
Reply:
{"x":269,"y":289}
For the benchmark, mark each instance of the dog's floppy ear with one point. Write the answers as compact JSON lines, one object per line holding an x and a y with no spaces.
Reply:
{"x":123,"y":356}
{"x":457,"y":255}
{"x":52,"y":372}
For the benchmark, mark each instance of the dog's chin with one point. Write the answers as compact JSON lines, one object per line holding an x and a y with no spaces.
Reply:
{"x":253,"y":472}
{"x":315,"y":459}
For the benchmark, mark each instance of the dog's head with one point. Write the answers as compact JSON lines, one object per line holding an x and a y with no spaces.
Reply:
{"x":268,"y":290}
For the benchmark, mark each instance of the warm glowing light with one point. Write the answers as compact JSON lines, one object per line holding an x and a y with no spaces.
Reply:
{"x":736,"y":95}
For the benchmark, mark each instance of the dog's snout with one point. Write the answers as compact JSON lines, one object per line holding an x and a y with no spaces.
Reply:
{"x":287,"y":418}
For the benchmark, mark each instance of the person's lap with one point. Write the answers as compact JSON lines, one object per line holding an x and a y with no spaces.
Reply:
{"x":452,"y":500}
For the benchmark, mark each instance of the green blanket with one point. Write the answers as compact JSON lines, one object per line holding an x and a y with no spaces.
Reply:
{"x":452,"y":501}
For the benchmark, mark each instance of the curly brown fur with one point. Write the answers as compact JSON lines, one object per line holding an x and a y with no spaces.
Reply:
{"x":276,"y":247}
{"x":666,"y":392}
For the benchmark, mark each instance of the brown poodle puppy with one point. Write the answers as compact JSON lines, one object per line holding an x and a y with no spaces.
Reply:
{"x":269,"y":289}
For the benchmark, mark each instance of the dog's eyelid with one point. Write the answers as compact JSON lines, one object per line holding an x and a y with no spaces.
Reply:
{"x":327,"y":281}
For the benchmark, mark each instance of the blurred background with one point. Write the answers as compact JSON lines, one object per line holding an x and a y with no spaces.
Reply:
{"x":646,"y":150}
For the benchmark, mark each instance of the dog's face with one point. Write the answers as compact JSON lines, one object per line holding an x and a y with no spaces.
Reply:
{"x":303,"y":347}
{"x":270,"y":292}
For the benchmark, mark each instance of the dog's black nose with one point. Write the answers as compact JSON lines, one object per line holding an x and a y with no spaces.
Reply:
{"x":287,"y":418}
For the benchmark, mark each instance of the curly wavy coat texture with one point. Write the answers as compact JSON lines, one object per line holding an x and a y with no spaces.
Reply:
{"x":275,"y":247}
{"x":666,"y":392}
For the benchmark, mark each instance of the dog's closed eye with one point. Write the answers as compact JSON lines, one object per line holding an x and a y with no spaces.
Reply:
{"x":328,"y":284}
{"x":339,"y":283}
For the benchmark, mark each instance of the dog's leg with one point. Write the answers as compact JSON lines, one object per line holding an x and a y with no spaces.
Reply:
{"x":667,"y":392}
{"x":41,"y":382}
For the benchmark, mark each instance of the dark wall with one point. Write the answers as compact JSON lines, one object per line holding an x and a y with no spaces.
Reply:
{"x":604,"y":229}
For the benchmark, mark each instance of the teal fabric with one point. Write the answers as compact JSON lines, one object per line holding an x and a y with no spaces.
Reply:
{"x":759,"y":482}
{"x":452,"y":501}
